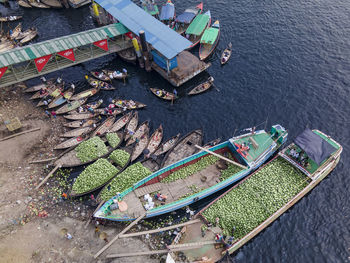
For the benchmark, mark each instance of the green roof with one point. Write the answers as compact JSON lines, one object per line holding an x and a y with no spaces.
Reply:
{"x":210,"y":35}
{"x":55,"y":45}
{"x":198,"y":25}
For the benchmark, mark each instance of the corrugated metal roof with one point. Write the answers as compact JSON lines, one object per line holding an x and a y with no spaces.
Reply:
{"x":161,"y":37}
{"x":51,"y":46}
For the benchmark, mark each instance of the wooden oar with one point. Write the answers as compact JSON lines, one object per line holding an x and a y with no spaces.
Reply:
{"x":43,"y":160}
{"x":48,"y":176}
{"x":20,"y":133}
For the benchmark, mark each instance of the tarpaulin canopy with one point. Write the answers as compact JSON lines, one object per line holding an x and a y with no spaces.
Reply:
{"x":187,"y":16}
{"x":198,"y":24}
{"x":210,"y":35}
{"x":167,"y":12}
{"x":315,"y":147}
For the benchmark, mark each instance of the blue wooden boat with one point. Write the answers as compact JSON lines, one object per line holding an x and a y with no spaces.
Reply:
{"x":195,"y":177}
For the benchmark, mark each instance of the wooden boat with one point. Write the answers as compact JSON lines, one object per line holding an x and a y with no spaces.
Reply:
{"x":80,"y":123}
{"x":110,"y":111}
{"x":140,"y":146}
{"x":25,"y":33}
{"x":225,"y":56}
{"x":166,"y":146}
{"x":36,"y":4}
{"x":100,"y":75}
{"x":80,"y":116}
{"x":120,"y":169}
{"x":128,"y":104}
{"x":202,"y":87}
{"x":70,"y":158}
{"x":121,"y":122}
{"x":208,"y":179}
{"x":77,"y":132}
{"x":65,"y":3}
{"x":112,"y":74}
{"x":52,"y":3}
{"x":85,"y":109}
{"x":71,"y":142}
{"x":165,"y":95}
{"x":31,"y":35}
{"x":140,"y":131}
{"x":184,"y":20}
{"x":154,"y":141}
{"x":128,"y":55}
{"x":7,"y":45}
{"x":85,"y":94}
{"x":56,"y":93}
{"x":47,"y":91}
{"x":71,"y":106}
{"x":167,"y":13}
{"x":209,"y":40}
{"x":274,"y":198}
{"x":39,"y":86}
{"x":184,"y":147}
{"x":9,"y":18}
{"x":24,"y":3}
{"x":61,"y":99}
{"x":99,"y":84}
{"x":212,"y":143}
{"x":16,"y":31}
{"x":104,"y":127}
{"x":131,"y":126}
{"x":196,"y":29}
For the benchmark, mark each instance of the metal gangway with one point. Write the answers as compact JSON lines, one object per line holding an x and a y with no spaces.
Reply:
{"x":34,"y":60}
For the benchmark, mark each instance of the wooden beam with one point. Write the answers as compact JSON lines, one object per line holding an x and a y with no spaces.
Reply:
{"x":160,"y":229}
{"x":20,"y":133}
{"x":48,"y":176}
{"x":221,"y":157}
{"x":43,"y":160}
{"x":117,"y":236}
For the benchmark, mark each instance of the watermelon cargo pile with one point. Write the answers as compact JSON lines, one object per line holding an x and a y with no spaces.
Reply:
{"x":119,"y":157}
{"x":124,"y":180}
{"x":191,"y":169}
{"x":249,"y":204}
{"x":229,"y":171}
{"x":91,"y":149}
{"x":94,"y":175}
{"x":113,"y":139}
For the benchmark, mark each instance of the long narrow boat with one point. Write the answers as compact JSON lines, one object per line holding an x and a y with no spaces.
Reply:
{"x":128,"y":104}
{"x":163,"y":94}
{"x":121,"y":122}
{"x":24,"y":3}
{"x":85,"y":94}
{"x":140,"y":146}
{"x":167,"y":13}
{"x":29,"y":36}
{"x":100,"y":75}
{"x":104,"y":127}
{"x":80,"y":123}
{"x":99,"y":84}
{"x":56,"y":93}
{"x":202,"y":87}
{"x":40,"y":86}
{"x":196,"y":29}
{"x":209,"y":40}
{"x":140,"y":131}
{"x":52,"y":3}
{"x":71,"y":142}
{"x":25,"y":33}
{"x":184,"y":147}
{"x":184,"y":20}
{"x":37,"y":4}
{"x":77,"y":132}
{"x":166,"y":146}
{"x":225,"y":56}
{"x":86,"y":108}
{"x":109,"y":112}
{"x":9,"y":18}
{"x":61,"y":99}
{"x":44,"y":92}
{"x":154,"y":141}
{"x":80,"y":116}
{"x":131,"y":126}
{"x":115,"y":74}
{"x":128,"y":55}
{"x":16,"y":31}
{"x":197,"y":176}
{"x":71,"y":106}
{"x":244,"y":211}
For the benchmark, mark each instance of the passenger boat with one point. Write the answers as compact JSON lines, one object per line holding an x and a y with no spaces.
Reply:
{"x":57,"y":93}
{"x":16,"y":31}
{"x":196,"y":29}
{"x":128,"y":104}
{"x":100,"y":75}
{"x":24,"y":3}
{"x":128,"y":55}
{"x":276,"y":187}
{"x":151,"y":8}
{"x":163,"y":94}
{"x":184,"y":147}
{"x":202,"y":87}
{"x":167,"y":13}
{"x":85,"y":94}
{"x":52,"y":3}
{"x":140,"y":146}
{"x":80,"y":116}
{"x":184,"y":20}
{"x":71,"y":106}
{"x":99,"y":84}
{"x":196,"y":177}
{"x":209,"y":40}
{"x":166,"y":146}
{"x":47,"y":91}
{"x":40,"y":86}
{"x":154,"y":141}
{"x":121,"y":122}
{"x":225,"y":56}
{"x":9,"y":18}
{"x":140,"y":131}
{"x":112,"y":74}
{"x":61,"y":99}
{"x":30,"y":35}
{"x":77,"y":132}
{"x":104,"y":127}
{"x":26,"y":33}
{"x":85,"y":109}
{"x":35,"y":3}
{"x":109,"y":111}
{"x":71,"y":142}
{"x":131,"y":126}
{"x":80,"y":123}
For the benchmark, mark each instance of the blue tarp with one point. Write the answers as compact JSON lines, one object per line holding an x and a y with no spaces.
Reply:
{"x":161,"y":37}
{"x":185,"y":17}
{"x":167,"y":12}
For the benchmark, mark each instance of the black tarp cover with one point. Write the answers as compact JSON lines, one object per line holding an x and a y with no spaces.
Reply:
{"x":315,"y":147}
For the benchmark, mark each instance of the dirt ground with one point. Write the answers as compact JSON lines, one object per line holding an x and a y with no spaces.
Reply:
{"x":32,"y":221}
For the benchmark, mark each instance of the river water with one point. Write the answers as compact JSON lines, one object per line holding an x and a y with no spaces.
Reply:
{"x":290,"y":65}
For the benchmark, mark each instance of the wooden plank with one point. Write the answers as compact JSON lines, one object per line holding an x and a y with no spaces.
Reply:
{"x":43,"y":160}
{"x":47,"y":177}
{"x":160,"y":229}
{"x":221,"y":157}
{"x":117,"y":236}
{"x":20,"y":133}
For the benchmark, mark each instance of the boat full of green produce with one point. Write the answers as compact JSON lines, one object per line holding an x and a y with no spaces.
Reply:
{"x":241,"y":213}
{"x":202,"y":174}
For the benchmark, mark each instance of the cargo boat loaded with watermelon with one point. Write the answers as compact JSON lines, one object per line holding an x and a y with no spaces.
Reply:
{"x":195,"y":177}
{"x":241,"y":213}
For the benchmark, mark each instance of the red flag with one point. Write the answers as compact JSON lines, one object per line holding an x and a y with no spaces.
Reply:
{"x":69,"y":54}
{"x":102,"y":44}
{"x":129,"y":35}
{"x":2,"y":71}
{"x":200,"y":6}
{"x":41,"y":62}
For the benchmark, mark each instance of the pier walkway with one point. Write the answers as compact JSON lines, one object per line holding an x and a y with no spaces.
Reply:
{"x":34,"y":60}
